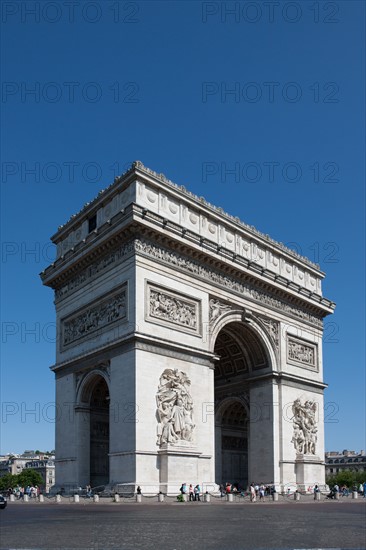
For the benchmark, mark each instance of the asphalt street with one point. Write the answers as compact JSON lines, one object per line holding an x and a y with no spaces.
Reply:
{"x":184,"y":526}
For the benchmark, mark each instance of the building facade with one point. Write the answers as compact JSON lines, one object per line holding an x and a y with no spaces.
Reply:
{"x":189,"y":345}
{"x":46,"y":468}
{"x":336,"y":462}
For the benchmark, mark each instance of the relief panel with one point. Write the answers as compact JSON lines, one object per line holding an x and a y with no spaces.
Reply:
{"x":169,"y":308}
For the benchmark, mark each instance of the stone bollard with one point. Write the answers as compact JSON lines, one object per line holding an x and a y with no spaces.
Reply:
{"x":230,"y":497}
{"x":116,"y":497}
{"x":275,"y":497}
{"x":296,"y":496}
{"x":317,"y":496}
{"x":12,"y":498}
{"x":160,"y":497}
{"x":207,"y":497}
{"x":41,"y":498}
{"x":336,"y":496}
{"x":26,"y":498}
{"x":58,"y":498}
{"x":138,"y":498}
{"x":76,"y":498}
{"x":96,"y":498}
{"x":354,"y":494}
{"x":185,"y":497}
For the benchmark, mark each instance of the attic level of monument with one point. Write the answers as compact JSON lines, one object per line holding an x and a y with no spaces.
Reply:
{"x":189,"y":346}
{"x":137,"y":206}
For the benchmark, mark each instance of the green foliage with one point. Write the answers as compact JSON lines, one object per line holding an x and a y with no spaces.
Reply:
{"x":8,"y":480}
{"x":29,"y":477}
{"x":347,"y":477}
{"x":180,"y":498}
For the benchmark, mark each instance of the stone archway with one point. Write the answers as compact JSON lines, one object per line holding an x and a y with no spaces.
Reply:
{"x":93,"y":429}
{"x":243,"y":356}
{"x":231,"y":442}
{"x":99,"y":434}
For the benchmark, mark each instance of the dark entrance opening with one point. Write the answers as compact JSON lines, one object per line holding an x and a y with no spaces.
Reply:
{"x":99,"y":434}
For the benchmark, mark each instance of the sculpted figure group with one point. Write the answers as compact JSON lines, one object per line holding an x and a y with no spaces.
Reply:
{"x":174,"y":408}
{"x":305,"y":428}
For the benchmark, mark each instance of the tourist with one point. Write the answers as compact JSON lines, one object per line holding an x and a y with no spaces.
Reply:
{"x":253,"y":496}
{"x":261,"y":491}
{"x":183,"y":488}
{"x":316,"y":490}
{"x":228,"y":488}
{"x":191,"y":493}
{"x":364,"y":490}
{"x":138,"y":490}
{"x":360,"y":489}
{"x":197,"y":491}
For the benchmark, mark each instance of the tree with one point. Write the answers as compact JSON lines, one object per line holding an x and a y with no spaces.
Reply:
{"x":8,"y":480}
{"x":29,"y":477}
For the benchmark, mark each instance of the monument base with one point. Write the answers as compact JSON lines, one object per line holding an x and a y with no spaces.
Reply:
{"x":178,"y":464}
{"x":310,"y":471}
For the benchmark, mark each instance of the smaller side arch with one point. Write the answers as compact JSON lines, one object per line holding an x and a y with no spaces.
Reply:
{"x":87,"y":383}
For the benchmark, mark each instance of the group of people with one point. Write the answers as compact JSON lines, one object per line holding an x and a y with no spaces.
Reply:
{"x":255,"y":490}
{"x":32,"y":491}
{"x":193,"y":492}
{"x":344,"y":490}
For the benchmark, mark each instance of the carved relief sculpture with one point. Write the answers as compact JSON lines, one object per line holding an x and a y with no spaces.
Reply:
{"x":174,"y":408}
{"x":94,"y":318}
{"x":217,"y":308}
{"x":305,"y":428}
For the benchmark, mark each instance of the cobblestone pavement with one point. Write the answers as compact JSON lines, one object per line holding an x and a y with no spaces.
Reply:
{"x":184,"y":526}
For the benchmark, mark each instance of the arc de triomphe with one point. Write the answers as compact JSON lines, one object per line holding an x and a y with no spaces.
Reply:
{"x":189,"y":345}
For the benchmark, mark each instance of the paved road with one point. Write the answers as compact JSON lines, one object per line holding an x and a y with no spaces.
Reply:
{"x":184,"y":526}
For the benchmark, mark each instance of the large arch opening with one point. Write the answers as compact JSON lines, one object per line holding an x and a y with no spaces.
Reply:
{"x":241,"y":356}
{"x":99,"y":432}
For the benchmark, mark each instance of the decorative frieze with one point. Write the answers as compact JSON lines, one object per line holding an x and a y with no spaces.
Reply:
{"x":301,"y":352}
{"x":188,"y":265}
{"x":95,"y":269}
{"x":174,"y":409}
{"x":304,"y":426}
{"x":226,"y":281}
{"x":171,"y":308}
{"x":95,"y":317}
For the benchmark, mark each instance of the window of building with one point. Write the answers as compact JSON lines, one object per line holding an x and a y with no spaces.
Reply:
{"x":92,"y":223}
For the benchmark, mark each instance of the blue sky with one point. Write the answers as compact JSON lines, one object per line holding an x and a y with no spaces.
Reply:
{"x":256,"y":106}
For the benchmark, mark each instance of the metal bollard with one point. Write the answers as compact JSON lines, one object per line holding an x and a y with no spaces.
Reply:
{"x":116,"y":497}
{"x":275,"y":497}
{"x":296,"y":496}
{"x":207,"y":497}
{"x":317,"y":496}
{"x":96,"y":498}
{"x":138,"y":498}
{"x":354,"y":494}
{"x":230,"y":497}
{"x":58,"y":498}
{"x":76,"y":498}
{"x":41,"y":498}
{"x":160,"y":497}
{"x":12,"y":498}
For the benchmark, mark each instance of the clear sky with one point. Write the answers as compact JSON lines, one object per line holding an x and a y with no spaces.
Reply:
{"x":257,"y":106}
